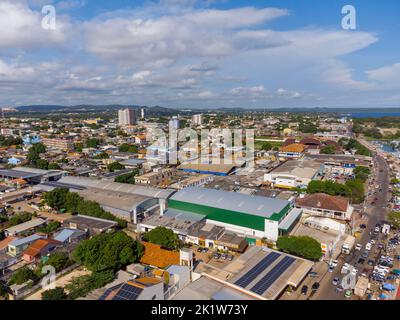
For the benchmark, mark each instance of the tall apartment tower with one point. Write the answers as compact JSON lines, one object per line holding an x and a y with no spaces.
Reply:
{"x":143,"y":113}
{"x":126,"y":117}
{"x":174,"y":123}
{"x":197,"y":119}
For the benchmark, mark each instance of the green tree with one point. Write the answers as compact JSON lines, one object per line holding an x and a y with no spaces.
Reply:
{"x":128,"y":178}
{"x":108,"y":251}
{"x":125,"y":147}
{"x":329,"y":149}
{"x":357,"y":192}
{"x":22,"y":275}
{"x":49,"y":228}
{"x":57,"y":293}
{"x":92,"y":143}
{"x":78,"y":147}
{"x":266,"y":146}
{"x":164,"y":237}
{"x":115,"y":166}
{"x":305,"y":247}
{"x":56,"y":198}
{"x":81,"y":286}
{"x":362,"y":173}
{"x":329,"y":187}
{"x":19,"y":218}
{"x":394,"y":218}
{"x":42,"y":164}
{"x":54,"y":166}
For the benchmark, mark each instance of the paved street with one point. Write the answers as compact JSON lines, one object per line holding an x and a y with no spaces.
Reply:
{"x":375,"y":214}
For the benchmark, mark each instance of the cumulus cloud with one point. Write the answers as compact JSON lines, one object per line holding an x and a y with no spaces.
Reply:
{"x":21,"y":28}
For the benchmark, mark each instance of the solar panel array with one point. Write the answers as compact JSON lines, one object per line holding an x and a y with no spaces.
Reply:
{"x":128,"y":292}
{"x":246,"y":279}
{"x":105,"y":294}
{"x":266,"y":281}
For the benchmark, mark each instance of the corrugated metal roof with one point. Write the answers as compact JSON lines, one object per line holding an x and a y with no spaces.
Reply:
{"x":31,"y":238}
{"x":232,"y":201}
{"x":115,"y":186}
{"x":25,"y":226}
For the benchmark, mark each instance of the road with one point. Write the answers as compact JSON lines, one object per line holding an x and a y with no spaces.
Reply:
{"x":375,"y":214}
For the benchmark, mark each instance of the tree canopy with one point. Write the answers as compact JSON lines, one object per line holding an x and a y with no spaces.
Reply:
{"x":305,"y":247}
{"x":115,"y":166}
{"x":57,"y":293}
{"x":164,"y":237}
{"x":22,"y":275}
{"x":128,"y":178}
{"x":125,"y":147}
{"x":62,"y":198}
{"x":329,"y":149}
{"x":394,"y":218}
{"x":110,"y":251}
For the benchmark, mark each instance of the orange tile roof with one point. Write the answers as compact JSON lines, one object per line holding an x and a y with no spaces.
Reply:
{"x":35,"y":248}
{"x":324,"y":201}
{"x":154,"y":255}
{"x":295,"y":147}
{"x":5,"y":242}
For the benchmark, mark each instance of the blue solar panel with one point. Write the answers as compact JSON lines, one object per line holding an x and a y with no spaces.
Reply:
{"x":128,"y":292}
{"x":266,"y":281}
{"x":246,"y":279}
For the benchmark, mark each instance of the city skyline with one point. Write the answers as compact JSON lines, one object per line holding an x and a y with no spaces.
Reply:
{"x":200,"y":54}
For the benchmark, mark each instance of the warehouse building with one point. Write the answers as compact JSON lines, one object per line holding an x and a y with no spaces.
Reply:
{"x":294,"y":174}
{"x":250,"y":216}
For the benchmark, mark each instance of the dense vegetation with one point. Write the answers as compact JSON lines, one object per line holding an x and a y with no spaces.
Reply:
{"x":164,"y":237}
{"x":353,"y":189}
{"x":362,"y":173}
{"x":128,"y":178}
{"x":10,"y":141}
{"x":305,"y":247}
{"x":125,"y":147}
{"x":19,"y":218}
{"x":115,"y":166}
{"x":353,"y":144}
{"x":61,"y":198}
{"x":49,"y":228}
{"x":394,"y":219}
{"x":110,"y":251}
{"x":34,"y":155}
{"x":329,"y":149}
{"x":57,"y":293}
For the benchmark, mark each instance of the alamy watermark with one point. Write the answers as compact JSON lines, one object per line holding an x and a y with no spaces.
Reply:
{"x":49,"y":20}
{"x":349,"y":21}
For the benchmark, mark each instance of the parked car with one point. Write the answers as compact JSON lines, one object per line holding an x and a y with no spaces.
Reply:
{"x":304,"y":289}
{"x":365,"y":254}
{"x":358,"y":247}
{"x":335,"y":281}
{"x":315,"y":286}
{"x":331,"y":268}
{"x":334,"y":263}
{"x":313,"y":274}
{"x":368,"y":246}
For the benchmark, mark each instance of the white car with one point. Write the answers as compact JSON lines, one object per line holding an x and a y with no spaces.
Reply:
{"x":358,"y":247}
{"x":368,"y":246}
{"x":354,"y":272}
{"x":334,"y":263}
{"x":373,"y":241}
{"x":377,"y":229}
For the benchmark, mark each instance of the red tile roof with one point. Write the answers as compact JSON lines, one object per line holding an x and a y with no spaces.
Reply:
{"x":5,"y":242}
{"x":324,"y":201}
{"x":36,"y":248}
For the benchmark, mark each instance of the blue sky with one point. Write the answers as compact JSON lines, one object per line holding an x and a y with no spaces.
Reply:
{"x":201,"y":53}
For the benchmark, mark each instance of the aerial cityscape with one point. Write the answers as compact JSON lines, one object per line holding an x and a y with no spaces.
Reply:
{"x":199,"y":150}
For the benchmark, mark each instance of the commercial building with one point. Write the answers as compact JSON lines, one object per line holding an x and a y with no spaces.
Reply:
{"x":126,"y":117}
{"x":91,"y":225}
{"x":324,"y":205}
{"x":214,"y":169}
{"x":18,"y":246}
{"x":124,"y":200}
{"x":174,"y":123}
{"x":249,"y":216}
{"x":197,"y":119}
{"x":294,"y":174}
{"x":156,"y":177}
{"x":291,"y":151}
{"x":258,"y":274}
{"x":60,"y":144}
{"x":193,"y":181}
{"x":24,"y":227}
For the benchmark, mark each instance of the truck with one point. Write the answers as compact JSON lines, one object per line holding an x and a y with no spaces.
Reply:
{"x":348,"y":244}
{"x":361,"y":287}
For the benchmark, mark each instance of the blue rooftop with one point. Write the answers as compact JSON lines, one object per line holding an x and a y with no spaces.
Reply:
{"x":22,"y":241}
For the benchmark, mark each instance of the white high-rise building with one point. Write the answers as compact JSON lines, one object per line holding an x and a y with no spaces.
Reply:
{"x":197,"y":119}
{"x":174,"y":123}
{"x":143,"y":113}
{"x":126,"y":117}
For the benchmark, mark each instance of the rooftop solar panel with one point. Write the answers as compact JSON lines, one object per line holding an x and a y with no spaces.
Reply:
{"x":263,"y":285}
{"x":128,"y":292}
{"x":246,"y":279}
